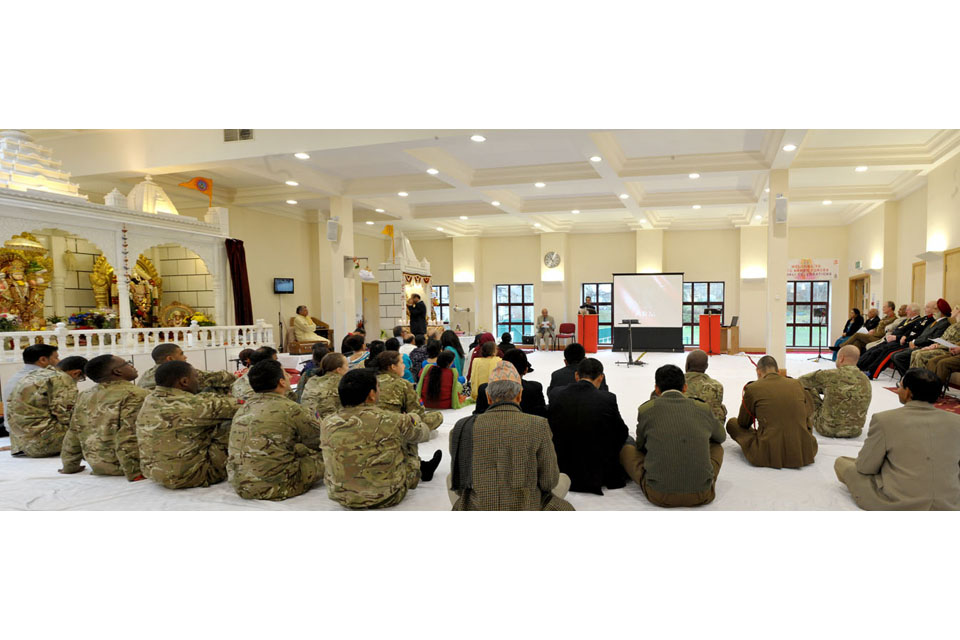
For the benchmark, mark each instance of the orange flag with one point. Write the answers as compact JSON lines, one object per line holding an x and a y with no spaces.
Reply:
{"x":388,"y":231}
{"x":203,"y":185}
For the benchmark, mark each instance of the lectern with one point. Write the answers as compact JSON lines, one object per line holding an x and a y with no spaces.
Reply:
{"x":710,"y":333}
{"x":587,"y":331}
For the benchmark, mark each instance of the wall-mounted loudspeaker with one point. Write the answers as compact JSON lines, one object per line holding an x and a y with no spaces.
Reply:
{"x":781,"y":209}
{"x":333,"y":230}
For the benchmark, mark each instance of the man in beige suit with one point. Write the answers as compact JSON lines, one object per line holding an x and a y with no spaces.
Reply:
{"x":303,"y":327}
{"x":911,"y":457}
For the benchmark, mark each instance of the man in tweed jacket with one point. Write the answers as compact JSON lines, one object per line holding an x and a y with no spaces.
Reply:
{"x":503,"y":459}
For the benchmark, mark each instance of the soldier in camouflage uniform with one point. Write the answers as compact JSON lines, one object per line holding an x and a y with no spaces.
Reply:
{"x":703,"y":387}
{"x":922,"y":356}
{"x":40,"y":406}
{"x":842,"y":409}
{"x":215,"y":381}
{"x":320,"y":397}
{"x":183,"y":434}
{"x":366,"y":449}
{"x":274,"y":444}
{"x":103,"y":430}
{"x":241,"y":388}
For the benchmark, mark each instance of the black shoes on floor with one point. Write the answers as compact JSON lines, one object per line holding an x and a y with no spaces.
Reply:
{"x":427,"y":467}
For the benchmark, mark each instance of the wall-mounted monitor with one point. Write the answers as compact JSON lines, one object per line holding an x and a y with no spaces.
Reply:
{"x":283,"y":285}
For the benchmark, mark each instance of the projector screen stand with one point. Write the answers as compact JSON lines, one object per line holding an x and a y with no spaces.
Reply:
{"x":630,"y":362}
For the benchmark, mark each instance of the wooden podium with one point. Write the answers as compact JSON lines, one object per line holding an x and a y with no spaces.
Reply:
{"x":710,"y":333}
{"x":587,"y":331}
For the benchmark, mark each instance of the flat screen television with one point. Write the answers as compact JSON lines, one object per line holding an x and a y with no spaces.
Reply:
{"x":283,"y":285}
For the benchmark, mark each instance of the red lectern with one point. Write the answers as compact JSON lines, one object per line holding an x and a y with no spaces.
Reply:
{"x":587,"y":331}
{"x":710,"y":333}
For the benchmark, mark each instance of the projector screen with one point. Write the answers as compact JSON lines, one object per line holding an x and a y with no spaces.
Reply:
{"x":655,"y":299}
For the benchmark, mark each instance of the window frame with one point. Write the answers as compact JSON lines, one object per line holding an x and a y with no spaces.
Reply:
{"x":791,"y":324}
{"x":694,"y":323}
{"x":443,"y":296}
{"x":510,"y":324}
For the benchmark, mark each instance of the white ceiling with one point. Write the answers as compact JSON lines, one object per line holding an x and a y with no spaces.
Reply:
{"x":651,"y":166}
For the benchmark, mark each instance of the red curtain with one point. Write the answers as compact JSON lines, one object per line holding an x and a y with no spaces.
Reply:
{"x":237,"y":257}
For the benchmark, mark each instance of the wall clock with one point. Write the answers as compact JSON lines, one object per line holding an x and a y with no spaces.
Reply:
{"x":551,"y":259}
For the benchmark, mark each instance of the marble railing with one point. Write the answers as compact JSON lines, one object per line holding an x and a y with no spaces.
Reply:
{"x":93,"y":342}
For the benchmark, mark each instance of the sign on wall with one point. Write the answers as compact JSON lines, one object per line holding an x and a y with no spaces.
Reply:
{"x":813,"y":269}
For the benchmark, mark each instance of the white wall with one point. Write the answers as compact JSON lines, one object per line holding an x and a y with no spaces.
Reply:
{"x":911,"y":241}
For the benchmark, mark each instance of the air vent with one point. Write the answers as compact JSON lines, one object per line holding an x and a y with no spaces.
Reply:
{"x":237,"y":135}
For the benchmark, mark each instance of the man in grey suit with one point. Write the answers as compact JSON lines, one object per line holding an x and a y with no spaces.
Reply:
{"x":545,"y":328}
{"x":911,"y":457}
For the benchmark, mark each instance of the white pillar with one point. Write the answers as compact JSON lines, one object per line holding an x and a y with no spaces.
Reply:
{"x":337,"y":292}
{"x":466,"y":283}
{"x":58,"y":245}
{"x":891,"y":214}
{"x":553,"y":282}
{"x":777,"y":270}
{"x":753,"y":288}
{"x":649,"y":254}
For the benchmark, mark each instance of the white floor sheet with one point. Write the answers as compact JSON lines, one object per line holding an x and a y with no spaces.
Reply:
{"x":35,"y":483}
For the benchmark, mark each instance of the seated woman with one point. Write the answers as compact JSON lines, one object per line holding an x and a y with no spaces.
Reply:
{"x":374,"y":349}
{"x":393,"y":344}
{"x":303,"y":327}
{"x":450,"y":341}
{"x":475,"y":354}
{"x":483,"y":365}
{"x":356,"y":352}
{"x":311,"y":367}
{"x":244,"y":358}
{"x":439,"y":387}
{"x":853,"y":325}
{"x":434,"y":348}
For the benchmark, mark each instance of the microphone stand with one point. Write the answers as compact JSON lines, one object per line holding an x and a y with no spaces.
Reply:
{"x":630,"y":361}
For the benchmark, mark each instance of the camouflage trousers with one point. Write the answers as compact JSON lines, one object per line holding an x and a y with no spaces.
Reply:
{"x":824,"y":424}
{"x":921,"y":357}
{"x":433,"y":419}
{"x":210,"y":469}
{"x":40,"y":444}
{"x":411,"y":464}
{"x":297,"y":480}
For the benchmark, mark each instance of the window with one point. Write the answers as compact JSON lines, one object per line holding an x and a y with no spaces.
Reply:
{"x":514,"y":310}
{"x":601,"y":295}
{"x":443,"y":297}
{"x":808,"y":313}
{"x":697,"y":298}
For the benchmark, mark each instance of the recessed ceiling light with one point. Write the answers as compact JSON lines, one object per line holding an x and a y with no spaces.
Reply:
{"x":756,"y":217}
{"x":789,"y":147}
{"x":402,"y":194}
{"x":575,"y":211}
{"x":767,"y":190}
{"x":696,"y":206}
{"x":439,"y":228}
{"x":369,"y":221}
{"x":477,"y":138}
{"x":379,"y":210}
{"x":624,"y":196}
{"x":539,"y":185}
{"x":433,"y":171}
{"x":828,"y":202}
{"x":291,"y":202}
{"x":292,"y":183}
{"x":302,"y":156}
{"x":536,"y":224}
{"x":694,"y":176}
{"x":643,"y":220}
{"x":495,"y":203}
{"x":464,"y":218}
{"x":595,"y":158}
{"x":861,"y":169}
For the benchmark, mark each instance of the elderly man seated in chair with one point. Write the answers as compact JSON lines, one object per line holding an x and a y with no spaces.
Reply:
{"x":304,"y":327}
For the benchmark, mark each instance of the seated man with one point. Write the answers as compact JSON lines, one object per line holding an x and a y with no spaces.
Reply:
{"x":103,"y":430}
{"x":572,"y":355}
{"x":909,"y":330}
{"x":901,"y":359}
{"x":183,"y":434}
{"x":910,"y":458}
{"x":861,"y":340}
{"x":781,"y":407}
{"x":532,"y":401}
{"x":303,"y":327}
{"x":920,"y":357}
{"x":506,"y":342}
{"x":945,"y":366}
{"x":367,"y":456}
{"x":320,"y":397}
{"x":701,"y":386}
{"x":419,"y":355}
{"x":840,"y":396}
{"x":219,"y":381}
{"x":408,"y":344}
{"x":40,"y":404}
{"x":588,"y":431}
{"x":676,"y":457}
{"x":503,"y":459}
{"x":311,"y":367}
{"x":241,"y":388}
{"x":399,"y":396}
{"x":35,"y":357}
{"x":545,"y":328}
{"x":274,"y":451}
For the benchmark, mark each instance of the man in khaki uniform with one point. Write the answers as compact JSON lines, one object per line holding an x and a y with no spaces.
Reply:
{"x":367,"y":464}
{"x":40,"y":405}
{"x":320,"y":397}
{"x":920,"y":357}
{"x":840,"y":396}
{"x":861,"y":340}
{"x":781,"y":408}
{"x":217,"y":381}
{"x":241,"y":388}
{"x":183,"y":434}
{"x":910,"y":458}
{"x":274,"y":449}
{"x":103,"y":430}
{"x":703,"y":387}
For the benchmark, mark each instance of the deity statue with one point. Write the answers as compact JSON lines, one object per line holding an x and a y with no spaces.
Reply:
{"x":25,"y":268}
{"x":145,"y":287}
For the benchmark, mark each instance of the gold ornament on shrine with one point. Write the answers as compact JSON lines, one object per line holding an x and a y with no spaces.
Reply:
{"x":26,"y":269}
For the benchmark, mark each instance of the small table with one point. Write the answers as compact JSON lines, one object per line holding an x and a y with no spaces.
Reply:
{"x":729,"y":339}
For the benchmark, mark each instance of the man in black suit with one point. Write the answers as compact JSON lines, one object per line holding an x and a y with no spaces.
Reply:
{"x":588,"y":431}
{"x":572,"y":356}
{"x":418,"y":314}
{"x":531,"y":401}
{"x":909,"y":330}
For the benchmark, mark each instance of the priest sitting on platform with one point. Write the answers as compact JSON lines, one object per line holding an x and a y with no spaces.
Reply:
{"x":304,"y":328}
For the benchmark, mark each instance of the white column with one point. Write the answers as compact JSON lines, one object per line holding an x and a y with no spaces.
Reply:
{"x":58,"y":245}
{"x":466,"y":283}
{"x":554,"y":281}
{"x":123,"y":284}
{"x":753,"y":288}
{"x":777,"y":270}
{"x":891,"y":214}
{"x":649,"y":250}
{"x":338,"y":298}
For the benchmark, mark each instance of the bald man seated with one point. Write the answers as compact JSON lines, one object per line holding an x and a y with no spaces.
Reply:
{"x":840,"y":396}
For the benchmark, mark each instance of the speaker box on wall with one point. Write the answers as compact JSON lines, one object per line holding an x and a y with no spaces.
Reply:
{"x":333,"y":230}
{"x":781,"y":210}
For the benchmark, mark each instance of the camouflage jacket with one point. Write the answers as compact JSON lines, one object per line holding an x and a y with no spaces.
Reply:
{"x":217,"y":381}
{"x":400,"y":396}
{"x":103,"y":430}
{"x":274,"y":449}
{"x":703,"y":387}
{"x":176,"y":431}
{"x":38,"y":412}
{"x":320,"y":397}
{"x":363,"y":455}
{"x":242,"y":390}
{"x":846,"y":395}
